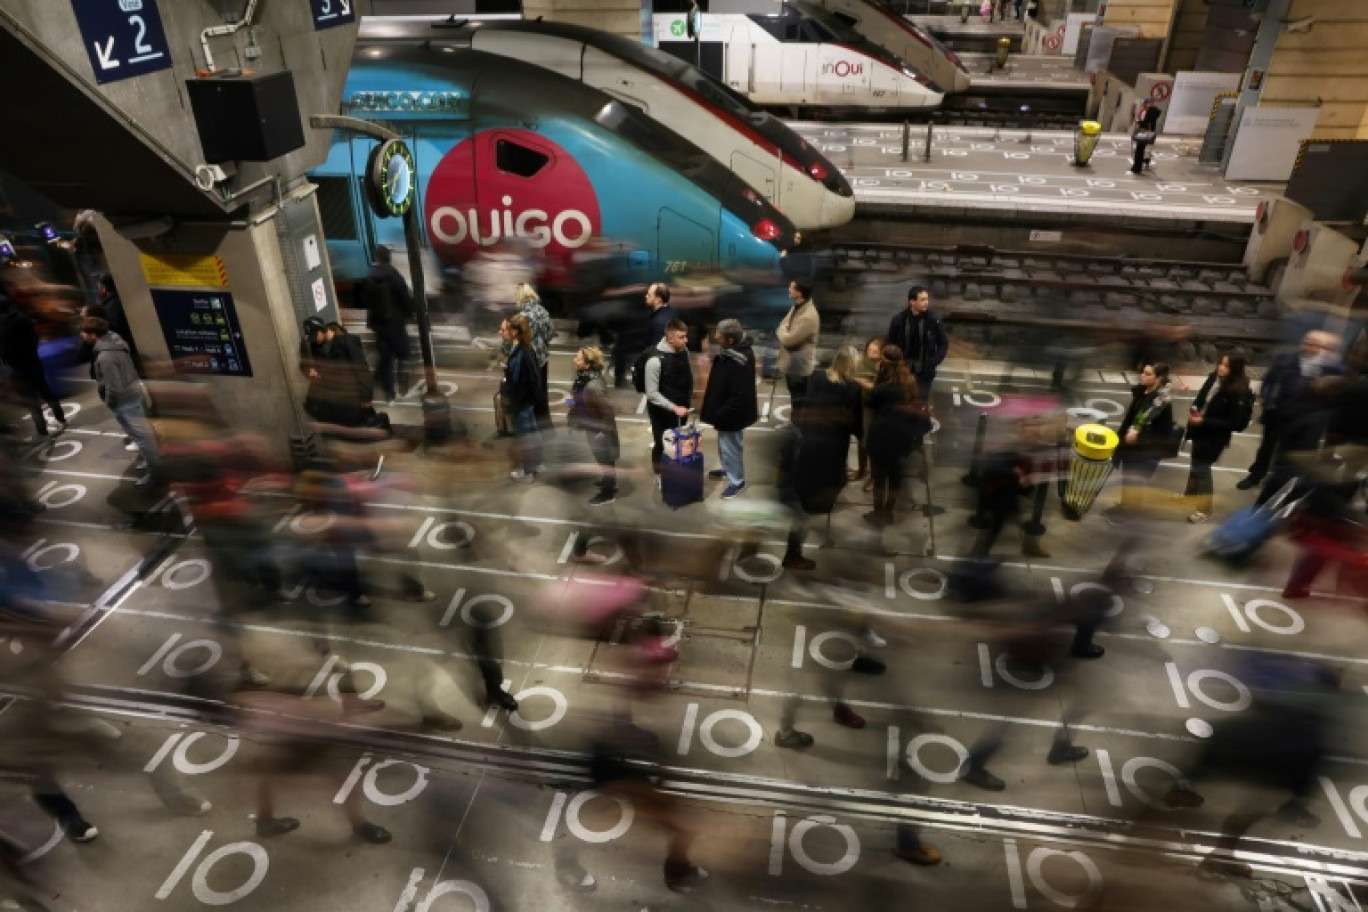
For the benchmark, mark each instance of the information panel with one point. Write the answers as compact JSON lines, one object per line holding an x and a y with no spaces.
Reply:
{"x":122,"y":38}
{"x":201,"y":332}
{"x":327,"y":13}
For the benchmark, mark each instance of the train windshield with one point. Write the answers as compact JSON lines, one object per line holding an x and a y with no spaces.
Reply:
{"x":817,"y":20}
{"x":695,"y":165}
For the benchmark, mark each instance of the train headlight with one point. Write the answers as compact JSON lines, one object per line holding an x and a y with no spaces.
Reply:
{"x":817,"y":171}
{"x":766,"y":230}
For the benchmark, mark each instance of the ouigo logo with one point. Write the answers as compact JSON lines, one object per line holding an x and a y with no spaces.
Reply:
{"x":509,"y":183}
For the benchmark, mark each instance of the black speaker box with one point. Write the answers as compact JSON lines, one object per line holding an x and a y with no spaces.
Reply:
{"x":246,"y":118}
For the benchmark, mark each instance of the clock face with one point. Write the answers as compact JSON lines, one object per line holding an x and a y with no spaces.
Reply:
{"x":392,"y":178}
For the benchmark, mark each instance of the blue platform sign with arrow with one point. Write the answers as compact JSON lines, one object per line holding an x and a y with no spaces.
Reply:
{"x":123,"y":38}
{"x":327,"y":13}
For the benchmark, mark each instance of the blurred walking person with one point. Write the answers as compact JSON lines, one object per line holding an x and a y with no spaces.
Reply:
{"x":19,"y":351}
{"x":592,"y":411}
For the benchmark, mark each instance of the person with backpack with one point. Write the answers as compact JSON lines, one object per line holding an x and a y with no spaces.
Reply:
{"x":1222,"y":409}
{"x":389,"y":306}
{"x":665,"y":375}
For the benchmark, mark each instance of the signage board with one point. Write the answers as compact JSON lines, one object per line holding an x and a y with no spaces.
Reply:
{"x":122,"y":38}
{"x":202,"y":332}
{"x":329,"y":13}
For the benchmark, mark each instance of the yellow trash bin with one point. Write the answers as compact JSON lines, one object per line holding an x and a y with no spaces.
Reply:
{"x":1089,"y":468}
{"x":1085,"y":141}
{"x":1004,"y":47}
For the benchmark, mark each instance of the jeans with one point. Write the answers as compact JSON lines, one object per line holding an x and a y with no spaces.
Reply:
{"x":731,"y":453}
{"x":529,"y":439}
{"x":133,"y":420}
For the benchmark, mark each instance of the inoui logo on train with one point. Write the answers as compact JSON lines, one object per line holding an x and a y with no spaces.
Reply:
{"x":842,"y":68}
{"x":473,"y":202}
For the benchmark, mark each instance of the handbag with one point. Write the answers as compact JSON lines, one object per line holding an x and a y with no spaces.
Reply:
{"x":1168,"y":445}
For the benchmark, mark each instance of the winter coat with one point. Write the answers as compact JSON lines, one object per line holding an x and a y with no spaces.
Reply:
{"x":521,"y":387}
{"x":1223,"y":415}
{"x":729,"y":400}
{"x":116,"y":378}
{"x":797,"y":335}
{"x":1150,"y":413}
{"x":922,"y":339}
{"x":1283,"y":383}
{"x":592,"y":411}
{"x":898,"y":423}
{"x":832,"y":414}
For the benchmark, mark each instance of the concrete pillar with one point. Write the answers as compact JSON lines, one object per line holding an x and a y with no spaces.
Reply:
{"x":1325,"y":61}
{"x":267,"y":271}
{"x":621,"y":17}
{"x":1151,"y":17}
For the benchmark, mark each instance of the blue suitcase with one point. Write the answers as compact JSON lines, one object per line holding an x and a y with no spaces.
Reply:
{"x":681,"y":467}
{"x":1245,"y":531}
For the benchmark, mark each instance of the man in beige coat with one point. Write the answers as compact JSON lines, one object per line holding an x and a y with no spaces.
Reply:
{"x":797,"y":336}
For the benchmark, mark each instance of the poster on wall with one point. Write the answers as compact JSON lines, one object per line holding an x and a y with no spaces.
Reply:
{"x":202,"y":332}
{"x":1268,"y":141}
{"x":1189,"y":109}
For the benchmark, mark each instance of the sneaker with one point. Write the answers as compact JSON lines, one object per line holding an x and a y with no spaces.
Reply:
{"x":921,"y":855}
{"x":980,"y":777}
{"x":602,"y":499}
{"x":685,"y":881}
{"x":186,"y":805}
{"x":793,"y":739}
{"x":874,"y":640}
{"x":718,"y":473}
{"x":78,"y":829}
{"x":266,"y":827}
{"x":521,"y":476}
{"x":1199,"y":517}
{"x":732,"y":490}
{"x":846,"y":716}
{"x":130,"y":446}
{"x":504,"y":700}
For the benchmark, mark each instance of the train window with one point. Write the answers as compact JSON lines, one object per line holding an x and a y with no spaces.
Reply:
{"x":817,"y":33}
{"x":772,"y":24}
{"x":335,"y":208}
{"x":514,"y":158}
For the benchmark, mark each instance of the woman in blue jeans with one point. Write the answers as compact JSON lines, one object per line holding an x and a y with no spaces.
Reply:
{"x":521,"y":390}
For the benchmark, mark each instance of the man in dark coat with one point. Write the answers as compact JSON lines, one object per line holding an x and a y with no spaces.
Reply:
{"x":730,"y":404}
{"x":1143,"y":136}
{"x":389,"y":306}
{"x":918,"y":331}
{"x":339,"y":377}
{"x":19,"y":351}
{"x":1282,"y":385}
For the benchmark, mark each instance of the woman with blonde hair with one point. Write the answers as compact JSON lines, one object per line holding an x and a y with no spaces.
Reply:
{"x":521,"y":390}
{"x":592,"y":411}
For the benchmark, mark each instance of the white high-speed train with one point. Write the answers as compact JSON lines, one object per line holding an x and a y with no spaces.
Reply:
{"x":756,"y":146}
{"x":882,"y":23}
{"x":802,"y":58}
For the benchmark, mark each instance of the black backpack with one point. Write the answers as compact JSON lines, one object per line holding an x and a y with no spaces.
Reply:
{"x":639,"y":368}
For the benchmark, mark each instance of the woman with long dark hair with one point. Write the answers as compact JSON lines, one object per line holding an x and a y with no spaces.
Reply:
{"x":1145,"y":430}
{"x":1221,"y":410}
{"x":866,"y":372}
{"x":521,"y":390}
{"x":898,"y":423}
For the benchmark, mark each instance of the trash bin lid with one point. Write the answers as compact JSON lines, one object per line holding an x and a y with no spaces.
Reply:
{"x":1090,"y":127}
{"x":1093,"y":441}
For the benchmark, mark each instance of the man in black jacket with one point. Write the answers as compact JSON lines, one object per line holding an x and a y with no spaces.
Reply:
{"x":1287,"y":377}
{"x":389,"y":305}
{"x":730,"y":404}
{"x":1144,"y":134}
{"x":919,"y":333}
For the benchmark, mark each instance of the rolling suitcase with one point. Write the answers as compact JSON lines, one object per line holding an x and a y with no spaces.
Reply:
{"x":1244,"y":532}
{"x":681,"y":466}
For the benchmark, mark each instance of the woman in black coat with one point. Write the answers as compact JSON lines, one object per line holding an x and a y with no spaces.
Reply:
{"x":1222,"y":409}
{"x":897,"y":426}
{"x":1145,"y":430}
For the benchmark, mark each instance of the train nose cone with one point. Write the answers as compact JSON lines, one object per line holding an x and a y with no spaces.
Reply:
{"x":837,"y":210}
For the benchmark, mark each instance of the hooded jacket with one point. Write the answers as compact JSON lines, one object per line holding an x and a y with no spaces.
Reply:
{"x":729,"y":400}
{"x":115,"y":376}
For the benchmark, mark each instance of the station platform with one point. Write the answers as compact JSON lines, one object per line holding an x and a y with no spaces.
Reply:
{"x":1017,"y":175}
{"x":501,"y":814}
{"x":976,"y":34}
{"x":1025,"y":73}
